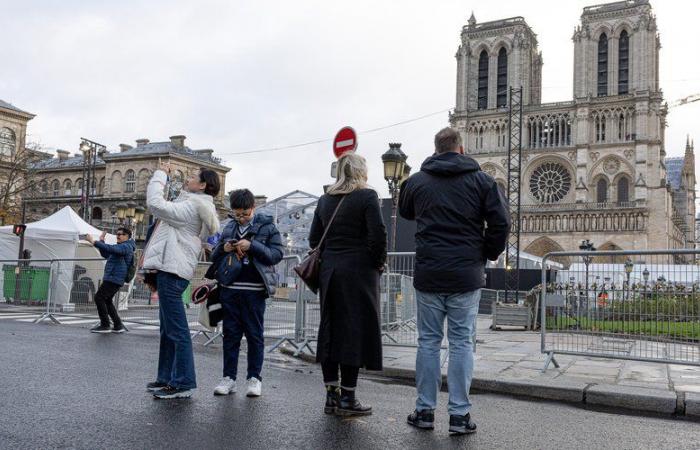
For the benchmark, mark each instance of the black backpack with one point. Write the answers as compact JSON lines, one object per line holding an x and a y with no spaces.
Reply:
{"x":130,"y":269}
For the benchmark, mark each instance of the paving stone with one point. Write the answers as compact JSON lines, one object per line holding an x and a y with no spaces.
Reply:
{"x":692,"y":404}
{"x":639,"y":399}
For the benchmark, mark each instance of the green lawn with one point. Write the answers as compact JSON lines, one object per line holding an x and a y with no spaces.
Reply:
{"x":671,"y":330}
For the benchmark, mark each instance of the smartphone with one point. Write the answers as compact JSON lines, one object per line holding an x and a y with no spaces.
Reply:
{"x":232,"y":241}
{"x":82,"y":237}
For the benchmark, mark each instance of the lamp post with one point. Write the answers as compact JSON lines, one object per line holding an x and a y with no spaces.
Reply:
{"x":629,"y":265}
{"x":90,"y":150}
{"x":395,"y":171}
{"x":586,"y":246}
{"x":645,"y":275}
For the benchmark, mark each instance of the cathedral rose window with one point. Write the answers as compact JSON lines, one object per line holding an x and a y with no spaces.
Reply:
{"x":550,"y":182}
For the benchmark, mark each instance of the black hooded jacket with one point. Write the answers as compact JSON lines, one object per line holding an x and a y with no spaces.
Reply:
{"x":461,"y":220}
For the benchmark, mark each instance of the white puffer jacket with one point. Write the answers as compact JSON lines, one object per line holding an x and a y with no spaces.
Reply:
{"x":176,"y":243}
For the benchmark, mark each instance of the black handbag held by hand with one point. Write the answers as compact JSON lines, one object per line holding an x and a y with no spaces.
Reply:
{"x":309,"y":269}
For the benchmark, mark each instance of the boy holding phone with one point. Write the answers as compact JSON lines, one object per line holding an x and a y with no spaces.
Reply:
{"x":253,"y":239}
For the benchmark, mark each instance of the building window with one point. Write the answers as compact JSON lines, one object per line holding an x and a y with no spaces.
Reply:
{"x":55,"y":188}
{"x":550,"y":182}
{"x":483,"y":96}
{"x":623,"y":63}
{"x":44,"y":188}
{"x":603,"y":65}
{"x":599,"y":128}
{"x":130,"y":181}
{"x":79,"y":186}
{"x":601,"y":190}
{"x":502,"y":79}
{"x":623,"y":190}
{"x":67,"y":188}
{"x":7,"y":142}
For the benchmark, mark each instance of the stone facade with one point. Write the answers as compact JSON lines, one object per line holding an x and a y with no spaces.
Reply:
{"x":15,"y":158}
{"x":592,"y":167}
{"x":120,"y":178}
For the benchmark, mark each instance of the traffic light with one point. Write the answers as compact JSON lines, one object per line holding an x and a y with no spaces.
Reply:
{"x":18,"y":229}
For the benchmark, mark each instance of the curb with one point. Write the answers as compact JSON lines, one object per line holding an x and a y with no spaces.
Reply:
{"x":629,"y":398}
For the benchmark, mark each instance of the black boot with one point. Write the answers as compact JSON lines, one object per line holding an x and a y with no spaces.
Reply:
{"x":349,"y":406}
{"x":332,"y":399}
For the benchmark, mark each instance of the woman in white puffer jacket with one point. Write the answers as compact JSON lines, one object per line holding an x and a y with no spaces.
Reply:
{"x":173,"y":250}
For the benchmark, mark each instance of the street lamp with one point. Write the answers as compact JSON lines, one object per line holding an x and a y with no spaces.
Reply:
{"x":90,"y":150}
{"x":395,"y":172}
{"x":629,"y":265}
{"x":586,"y":246}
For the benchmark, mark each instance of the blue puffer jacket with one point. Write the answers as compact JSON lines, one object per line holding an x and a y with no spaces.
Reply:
{"x":119,"y":257}
{"x":265,"y":247}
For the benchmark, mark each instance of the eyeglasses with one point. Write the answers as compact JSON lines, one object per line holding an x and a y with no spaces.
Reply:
{"x":242,"y":215}
{"x":122,"y":234}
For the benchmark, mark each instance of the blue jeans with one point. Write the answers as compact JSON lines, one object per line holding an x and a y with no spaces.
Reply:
{"x":176,"y":360}
{"x":244,"y":313}
{"x":461,"y":310}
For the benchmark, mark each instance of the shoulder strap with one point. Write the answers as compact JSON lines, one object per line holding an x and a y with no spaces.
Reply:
{"x":325,"y":232}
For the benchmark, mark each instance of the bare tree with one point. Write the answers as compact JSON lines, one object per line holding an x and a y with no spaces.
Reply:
{"x":18,"y":180}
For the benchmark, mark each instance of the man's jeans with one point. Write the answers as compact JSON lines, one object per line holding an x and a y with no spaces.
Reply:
{"x":244,"y":313}
{"x":461,"y":310}
{"x":176,"y":360}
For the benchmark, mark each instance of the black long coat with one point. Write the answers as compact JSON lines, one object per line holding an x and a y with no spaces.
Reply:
{"x":352,"y":255}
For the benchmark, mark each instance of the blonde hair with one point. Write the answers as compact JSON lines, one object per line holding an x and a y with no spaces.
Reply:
{"x":352,"y":174}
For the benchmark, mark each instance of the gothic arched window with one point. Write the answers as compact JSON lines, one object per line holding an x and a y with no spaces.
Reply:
{"x":623,"y":64}
{"x":601,"y":190}
{"x":55,"y":188}
{"x":79,"y":186}
{"x":502,"y":79}
{"x":483,"y":94}
{"x":130,"y":181}
{"x":623,"y":190}
{"x":7,"y":142}
{"x":603,"y":65}
{"x":44,"y":188}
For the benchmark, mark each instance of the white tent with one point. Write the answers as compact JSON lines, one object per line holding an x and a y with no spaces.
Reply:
{"x":56,"y":238}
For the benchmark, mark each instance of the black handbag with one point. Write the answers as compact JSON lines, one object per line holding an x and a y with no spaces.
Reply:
{"x":309,"y":270}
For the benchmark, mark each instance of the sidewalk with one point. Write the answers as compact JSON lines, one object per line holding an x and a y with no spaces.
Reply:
{"x":510,"y":362}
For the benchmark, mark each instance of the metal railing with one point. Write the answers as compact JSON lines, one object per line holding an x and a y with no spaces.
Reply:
{"x":637,"y":305}
{"x":65,"y":289}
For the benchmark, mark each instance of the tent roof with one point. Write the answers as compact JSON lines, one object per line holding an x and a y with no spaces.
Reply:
{"x":64,"y":224}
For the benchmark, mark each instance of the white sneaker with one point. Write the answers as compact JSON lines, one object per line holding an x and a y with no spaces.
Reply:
{"x":254,"y":387}
{"x":226,"y":386}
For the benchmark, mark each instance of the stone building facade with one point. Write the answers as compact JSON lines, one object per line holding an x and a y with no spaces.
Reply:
{"x":120,"y":179}
{"x":13,"y":136}
{"x":593,"y":167}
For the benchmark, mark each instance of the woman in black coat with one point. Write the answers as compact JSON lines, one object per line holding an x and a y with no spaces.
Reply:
{"x":352,"y":259}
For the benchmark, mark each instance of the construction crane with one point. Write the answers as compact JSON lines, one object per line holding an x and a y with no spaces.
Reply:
{"x":684,"y":101}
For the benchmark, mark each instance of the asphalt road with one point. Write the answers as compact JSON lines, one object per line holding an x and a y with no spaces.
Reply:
{"x":62,"y":387}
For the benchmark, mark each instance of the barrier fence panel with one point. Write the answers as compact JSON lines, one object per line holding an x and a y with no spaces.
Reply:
{"x":397,"y":299}
{"x":639,"y":305}
{"x":27,"y":283}
{"x":282,"y":314}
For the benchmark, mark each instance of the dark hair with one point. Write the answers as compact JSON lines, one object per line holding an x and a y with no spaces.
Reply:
{"x":242,"y":199}
{"x":447,"y":140}
{"x":125,"y":231}
{"x":211,"y":179}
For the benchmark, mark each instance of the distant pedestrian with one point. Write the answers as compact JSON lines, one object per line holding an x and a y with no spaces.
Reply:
{"x":173,"y":252}
{"x":252,"y":242}
{"x":352,"y":258}
{"x":120,"y":257}
{"x":461,"y":221}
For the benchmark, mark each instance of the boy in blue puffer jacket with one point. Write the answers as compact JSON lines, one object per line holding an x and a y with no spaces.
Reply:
{"x":253,"y":244}
{"x":119,"y":257}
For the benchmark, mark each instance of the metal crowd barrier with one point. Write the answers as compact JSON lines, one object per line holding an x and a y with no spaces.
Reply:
{"x":636,"y":305}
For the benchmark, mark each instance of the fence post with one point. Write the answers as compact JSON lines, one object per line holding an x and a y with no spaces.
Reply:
{"x":48,"y":314}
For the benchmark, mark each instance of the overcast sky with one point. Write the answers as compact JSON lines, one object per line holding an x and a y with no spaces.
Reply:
{"x":244,"y":75}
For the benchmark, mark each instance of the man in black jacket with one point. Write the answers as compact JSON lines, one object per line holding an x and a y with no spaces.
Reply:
{"x":462,"y":220}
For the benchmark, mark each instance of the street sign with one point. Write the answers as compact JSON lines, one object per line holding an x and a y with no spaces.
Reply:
{"x":345,"y":141}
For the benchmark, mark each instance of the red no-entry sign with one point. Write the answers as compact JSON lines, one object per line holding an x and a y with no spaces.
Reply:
{"x":345,"y":141}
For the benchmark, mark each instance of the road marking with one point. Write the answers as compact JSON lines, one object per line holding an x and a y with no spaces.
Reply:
{"x":145,"y":327}
{"x":32,"y":319}
{"x":77,"y":321}
{"x":18,"y":316}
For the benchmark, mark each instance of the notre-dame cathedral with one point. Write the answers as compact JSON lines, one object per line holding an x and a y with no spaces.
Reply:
{"x":593,"y":167}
